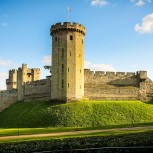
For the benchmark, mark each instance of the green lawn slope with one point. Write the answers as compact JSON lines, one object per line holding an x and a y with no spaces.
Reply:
{"x":77,"y":114}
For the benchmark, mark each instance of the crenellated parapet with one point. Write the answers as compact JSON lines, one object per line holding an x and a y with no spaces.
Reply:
{"x":8,"y":93}
{"x":109,"y":73}
{"x":114,"y":78}
{"x":67,"y":26}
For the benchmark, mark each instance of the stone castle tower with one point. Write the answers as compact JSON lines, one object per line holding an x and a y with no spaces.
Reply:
{"x":11,"y":83}
{"x":24,"y":75}
{"x":67,"y":61}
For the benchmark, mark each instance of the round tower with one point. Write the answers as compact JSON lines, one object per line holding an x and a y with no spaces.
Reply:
{"x":67,"y":61}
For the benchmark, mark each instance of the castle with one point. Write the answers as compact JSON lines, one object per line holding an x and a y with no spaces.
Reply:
{"x":69,"y":80}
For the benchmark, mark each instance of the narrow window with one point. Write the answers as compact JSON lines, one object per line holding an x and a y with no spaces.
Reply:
{"x":62,"y":68}
{"x":68,"y":69}
{"x":68,"y":85}
{"x":55,"y":39}
{"x":62,"y":52}
{"x":71,"y":37}
{"x":70,"y":53}
{"x":62,"y":83}
{"x":82,"y":41}
{"x":80,"y":70}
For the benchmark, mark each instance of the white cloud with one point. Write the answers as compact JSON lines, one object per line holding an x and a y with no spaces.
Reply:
{"x":146,"y":26}
{"x":99,"y":2}
{"x":4,"y":24}
{"x":5,"y":62}
{"x":140,"y":2}
{"x":98,"y":67}
{"x":3,"y":75}
{"x":46,"y":60}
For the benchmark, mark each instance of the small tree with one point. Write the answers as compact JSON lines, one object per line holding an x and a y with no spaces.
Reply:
{"x":48,"y":67}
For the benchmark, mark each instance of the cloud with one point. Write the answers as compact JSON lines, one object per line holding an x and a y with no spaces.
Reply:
{"x":146,"y":26}
{"x":140,"y":2}
{"x":5,"y":62}
{"x":46,"y":60}
{"x":98,"y":67}
{"x":99,"y":2}
{"x":3,"y":75}
{"x":4,"y":24}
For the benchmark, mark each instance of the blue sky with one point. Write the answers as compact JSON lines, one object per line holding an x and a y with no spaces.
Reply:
{"x":119,"y":33}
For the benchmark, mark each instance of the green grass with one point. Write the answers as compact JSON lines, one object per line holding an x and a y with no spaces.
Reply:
{"x":77,"y":114}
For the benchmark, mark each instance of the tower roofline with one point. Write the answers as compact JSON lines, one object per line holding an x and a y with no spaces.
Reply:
{"x":67,"y":26}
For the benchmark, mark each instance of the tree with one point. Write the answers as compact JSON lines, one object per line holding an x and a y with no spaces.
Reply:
{"x":48,"y":67}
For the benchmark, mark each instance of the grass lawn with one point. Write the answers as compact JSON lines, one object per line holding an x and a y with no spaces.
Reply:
{"x":74,"y":135}
{"x":76,"y":114}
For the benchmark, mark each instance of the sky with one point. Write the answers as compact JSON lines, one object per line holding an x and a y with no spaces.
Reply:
{"x":119,"y":33}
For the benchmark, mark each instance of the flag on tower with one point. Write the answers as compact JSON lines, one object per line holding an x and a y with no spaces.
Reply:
{"x":69,"y":9}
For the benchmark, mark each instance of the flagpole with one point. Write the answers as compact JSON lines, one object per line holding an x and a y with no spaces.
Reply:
{"x":68,"y":13}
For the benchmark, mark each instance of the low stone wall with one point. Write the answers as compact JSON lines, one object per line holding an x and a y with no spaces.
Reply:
{"x":38,"y":90}
{"x":7,"y":98}
{"x":112,"y":93}
{"x":111,"y":86}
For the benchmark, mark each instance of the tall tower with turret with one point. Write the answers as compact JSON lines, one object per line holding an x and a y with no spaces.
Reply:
{"x":67,"y":61}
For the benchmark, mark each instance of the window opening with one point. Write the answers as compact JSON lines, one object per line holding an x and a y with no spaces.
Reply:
{"x":62,"y":68}
{"x":62,"y":83}
{"x":55,"y":39}
{"x":71,"y":37}
{"x":62,"y":52}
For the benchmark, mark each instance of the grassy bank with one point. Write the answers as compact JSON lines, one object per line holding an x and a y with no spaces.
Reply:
{"x":77,"y":114}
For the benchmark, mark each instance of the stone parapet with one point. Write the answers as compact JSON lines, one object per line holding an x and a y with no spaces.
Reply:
{"x":67,"y":26}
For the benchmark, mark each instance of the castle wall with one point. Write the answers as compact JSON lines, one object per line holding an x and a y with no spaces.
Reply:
{"x":38,"y":90}
{"x":7,"y":98}
{"x":111,"y":85}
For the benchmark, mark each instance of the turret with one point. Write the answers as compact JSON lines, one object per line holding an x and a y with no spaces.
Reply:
{"x":11,"y":82}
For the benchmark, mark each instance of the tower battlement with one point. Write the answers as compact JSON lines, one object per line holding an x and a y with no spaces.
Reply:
{"x":67,"y":26}
{"x":12,"y":71}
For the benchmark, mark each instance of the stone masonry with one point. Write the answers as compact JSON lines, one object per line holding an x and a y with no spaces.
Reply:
{"x":69,"y":80}
{"x":67,"y":61}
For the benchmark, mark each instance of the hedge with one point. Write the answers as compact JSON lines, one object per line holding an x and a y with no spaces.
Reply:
{"x":127,"y":140}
